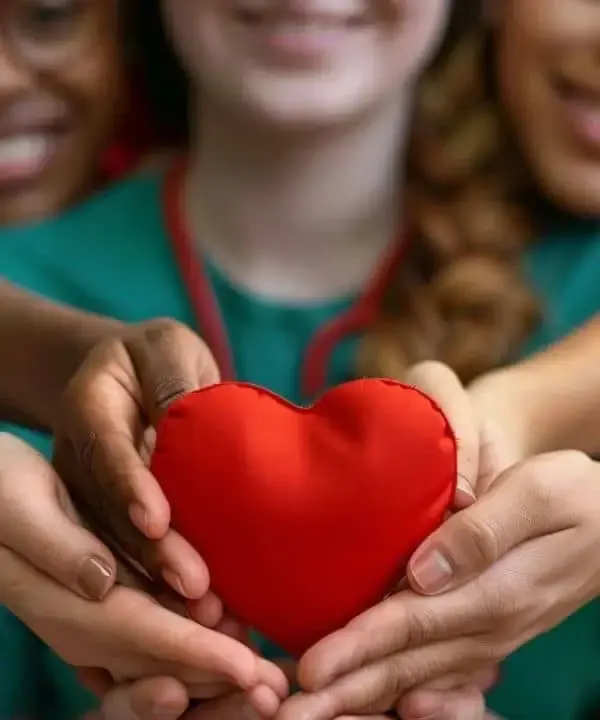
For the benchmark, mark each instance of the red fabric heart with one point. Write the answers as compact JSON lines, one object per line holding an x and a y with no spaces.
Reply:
{"x":305,"y":516}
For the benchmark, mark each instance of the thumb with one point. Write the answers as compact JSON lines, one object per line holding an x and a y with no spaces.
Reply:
{"x":477,"y":537}
{"x":35,"y":524}
{"x":442,"y":385}
{"x":170,"y":360}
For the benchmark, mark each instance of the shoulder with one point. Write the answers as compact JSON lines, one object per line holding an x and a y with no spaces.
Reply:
{"x":105,"y":255}
{"x":127,"y":203}
{"x":118,"y":207}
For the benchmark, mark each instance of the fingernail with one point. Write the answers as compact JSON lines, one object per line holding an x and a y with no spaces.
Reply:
{"x":139,"y":517}
{"x":173,"y":579}
{"x":464,"y":493}
{"x":95,"y":578}
{"x":431,"y":571}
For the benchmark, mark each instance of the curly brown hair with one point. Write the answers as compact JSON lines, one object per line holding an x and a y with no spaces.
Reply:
{"x":459,"y":295}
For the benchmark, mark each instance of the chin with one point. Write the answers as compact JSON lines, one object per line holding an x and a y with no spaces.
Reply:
{"x":576,"y":192}
{"x":292,"y":105}
{"x":30,"y":206}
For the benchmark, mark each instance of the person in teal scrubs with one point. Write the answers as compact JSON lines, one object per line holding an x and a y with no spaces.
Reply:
{"x":279,"y":228}
{"x":62,"y":98}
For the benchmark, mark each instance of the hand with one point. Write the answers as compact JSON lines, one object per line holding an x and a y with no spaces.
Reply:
{"x":128,"y":633}
{"x":482,"y":453}
{"x":141,"y":700}
{"x":161,"y":698}
{"x":165,"y":697}
{"x":103,"y":438}
{"x":147,"y":699}
{"x":508,"y":568}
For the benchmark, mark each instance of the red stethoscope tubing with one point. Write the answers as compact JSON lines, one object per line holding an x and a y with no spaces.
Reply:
{"x":208,"y":315}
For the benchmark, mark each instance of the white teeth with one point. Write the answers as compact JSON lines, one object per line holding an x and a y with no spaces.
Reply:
{"x":23,"y":150}
{"x":259,"y":12}
{"x":287,"y":27}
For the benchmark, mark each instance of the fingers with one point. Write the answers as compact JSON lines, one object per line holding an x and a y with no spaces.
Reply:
{"x":102,"y":443}
{"x":170,"y":360}
{"x":232,"y":707}
{"x":452,"y":697}
{"x":35,"y":524}
{"x":128,"y":633}
{"x":197,"y":653}
{"x":102,"y":425}
{"x":170,"y":559}
{"x":528,"y":500}
{"x":264,"y":700}
{"x":180,"y":566}
{"x":403,"y":621}
{"x":150,"y":699}
{"x":442,"y":385}
{"x":466,"y":703}
{"x":209,"y":611}
{"x":377,"y":687}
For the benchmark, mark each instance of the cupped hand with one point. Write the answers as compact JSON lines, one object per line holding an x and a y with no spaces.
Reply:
{"x":510,"y":567}
{"x":104,"y":435}
{"x":483,"y":452}
{"x":166,"y":698}
{"x":45,"y":555}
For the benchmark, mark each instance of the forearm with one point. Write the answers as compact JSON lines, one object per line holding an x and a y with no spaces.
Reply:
{"x":41,"y":346}
{"x":552,"y":400}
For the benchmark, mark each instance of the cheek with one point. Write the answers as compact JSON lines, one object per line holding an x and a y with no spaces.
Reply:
{"x":420,"y":30}
{"x":192,"y":28}
{"x":97,"y":87}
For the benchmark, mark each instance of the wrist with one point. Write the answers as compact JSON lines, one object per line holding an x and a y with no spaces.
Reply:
{"x":503,"y":405}
{"x":43,"y":345}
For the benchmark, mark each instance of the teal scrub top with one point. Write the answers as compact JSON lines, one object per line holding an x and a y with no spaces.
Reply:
{"x":113,"y":256}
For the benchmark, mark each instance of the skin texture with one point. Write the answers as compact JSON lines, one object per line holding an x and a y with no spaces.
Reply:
{"x":231,"y":67}
{"x":275,"y":99}
{"x":548,"y":64}
{"x":60,"y":80}
{"x":129,"y":634}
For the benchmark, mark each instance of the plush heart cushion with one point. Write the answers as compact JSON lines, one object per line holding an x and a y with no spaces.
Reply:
{"x":305,"y":516}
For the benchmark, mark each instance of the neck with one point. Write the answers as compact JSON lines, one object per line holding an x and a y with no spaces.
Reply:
{"x":296,"y":215}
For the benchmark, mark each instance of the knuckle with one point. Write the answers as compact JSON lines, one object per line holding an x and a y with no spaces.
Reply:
{"x":163,"y":330}
{"x":481,"y":541}
{"x":399,"y":677}
{"x":168,"y":389}
{"x":491,"y":650}
{"x":386,"y":687}
{"x":422,"y":627}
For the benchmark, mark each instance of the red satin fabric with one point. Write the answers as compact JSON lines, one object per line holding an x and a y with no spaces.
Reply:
{"x":305,"y":516}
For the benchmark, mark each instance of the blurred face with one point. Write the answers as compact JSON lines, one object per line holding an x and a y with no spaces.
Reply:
{"x":305,"y":62}
{"x":549,"y":72}
{"x":59,"y":86}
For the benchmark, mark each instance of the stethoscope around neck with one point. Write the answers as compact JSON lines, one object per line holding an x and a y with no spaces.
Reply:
{"x":313,"y":374}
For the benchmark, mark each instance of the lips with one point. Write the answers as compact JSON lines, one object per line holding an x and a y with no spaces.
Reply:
{"x":31,"y":130}
{"x":301,"y":15}
{"x":24,"y":156}
{"x":582,"y":106}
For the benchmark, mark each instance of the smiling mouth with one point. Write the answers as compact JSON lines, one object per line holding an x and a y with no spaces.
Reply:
{"x":278,"y":18}
{"x":582,"y":110}
{"x":26,"y":154}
